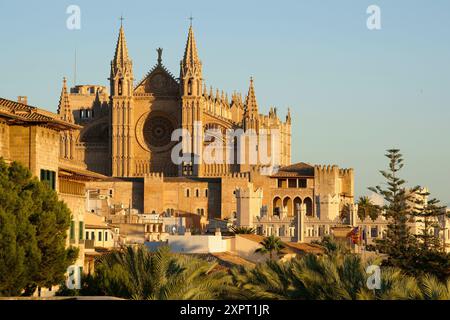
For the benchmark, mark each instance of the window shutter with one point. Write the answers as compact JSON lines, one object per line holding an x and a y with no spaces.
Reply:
{"x":72,"y":230}
{"x":81,"y":231}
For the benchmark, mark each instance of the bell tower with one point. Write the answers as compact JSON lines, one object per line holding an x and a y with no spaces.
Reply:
{"x":191,"y":86}
{"x":121,"y":111}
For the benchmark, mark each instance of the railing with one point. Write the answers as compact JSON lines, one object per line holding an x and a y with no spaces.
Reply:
{"x":89,"y":244}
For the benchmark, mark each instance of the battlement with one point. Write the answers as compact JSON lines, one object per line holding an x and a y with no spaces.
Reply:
{"x":155,"y":176}
{"x":326,"y":169}
{"x":346,"y":172}
{"x":237,"y":175}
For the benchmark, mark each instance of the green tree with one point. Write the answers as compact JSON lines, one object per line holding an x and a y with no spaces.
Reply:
{"x":270,"y":245}
{"x":242,"y":230}
{"x":33,"y":225}
{"x":430,"y":256}
{"x":399,"y":244}
{"x":366,"y":208}
{"x":429,"y":214}
{"x":136,"y":273}
{"x":336,"y":275}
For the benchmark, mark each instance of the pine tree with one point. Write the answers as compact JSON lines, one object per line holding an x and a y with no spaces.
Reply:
{"x":33,"y":230}
{"x":431,"y":256}
{"x":399,"y":244}
{"x":429,"y":214}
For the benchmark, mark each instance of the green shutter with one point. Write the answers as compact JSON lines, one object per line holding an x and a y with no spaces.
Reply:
{"x":81,"y":231}
{"x":53,"y":180}
{"x":72,"y":230}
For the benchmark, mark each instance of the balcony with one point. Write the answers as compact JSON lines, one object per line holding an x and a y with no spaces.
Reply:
{"x":89,"y":244}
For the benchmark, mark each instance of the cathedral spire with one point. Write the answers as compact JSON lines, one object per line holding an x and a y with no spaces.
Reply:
{"x":190,"y":57}
{"x":64,"y":109}
{"x":251,"y":116}
{"x":121,"y":54}
{"x":250,"y":102}
{"x":121,"y":68}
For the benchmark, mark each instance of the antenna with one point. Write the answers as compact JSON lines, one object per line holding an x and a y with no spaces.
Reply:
{"x":75,"y":70}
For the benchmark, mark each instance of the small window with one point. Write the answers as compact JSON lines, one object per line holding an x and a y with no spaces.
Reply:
{"x":87,"y":235}
{"x":106,"y":235}
{"x":99,"y":236}
{"x":188,"y":193}
{"x":197,"y":193}
{"x":374,"y":232}
{"x":119,"y":90}
{"x":49,"y":177}
{"x":206,"y":193}
{"x":302,"y":183}
{"x":190,"y":87}
{"x":292,"y":183}
{"x":92,"y":235}
{"x":281,"y":183}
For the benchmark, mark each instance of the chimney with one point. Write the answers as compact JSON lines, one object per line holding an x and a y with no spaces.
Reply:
{"x":22,"y":99}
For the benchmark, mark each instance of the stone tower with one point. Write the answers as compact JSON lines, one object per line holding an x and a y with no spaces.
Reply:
{"x":67,"y":145}
{"x":121,"y":110}
{"x":191,"y":84}
{"x":251,"y":127}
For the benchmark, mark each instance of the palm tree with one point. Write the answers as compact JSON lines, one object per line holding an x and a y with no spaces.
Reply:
{"x":135,"y":273}
{"x":269,"y":245}
{"x":366,"y":208}
{"x":336,"y":275}
{"x":266,"y":281}
{"x":242,"y":230}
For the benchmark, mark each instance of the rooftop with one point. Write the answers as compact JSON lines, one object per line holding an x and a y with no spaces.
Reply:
{"x":19,"y":113}
{"x":300,"y":169}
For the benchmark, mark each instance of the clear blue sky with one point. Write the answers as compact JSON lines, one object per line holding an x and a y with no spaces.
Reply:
{"x":353,"y":92}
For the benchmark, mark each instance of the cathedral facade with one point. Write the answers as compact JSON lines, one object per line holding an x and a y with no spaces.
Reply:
{"x":128,"y":132}
{"x":127,"y":135}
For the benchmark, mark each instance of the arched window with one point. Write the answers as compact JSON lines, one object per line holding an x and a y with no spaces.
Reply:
{"x":197,"y":193}
{"x":287,"y":207}
{"x":189,"y":87}
{"x":188,"y":193}
{"x":309,"y":207}
{"x":119,"y":87}
{"x":277,"y":206}
{"x":297,"y":204}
